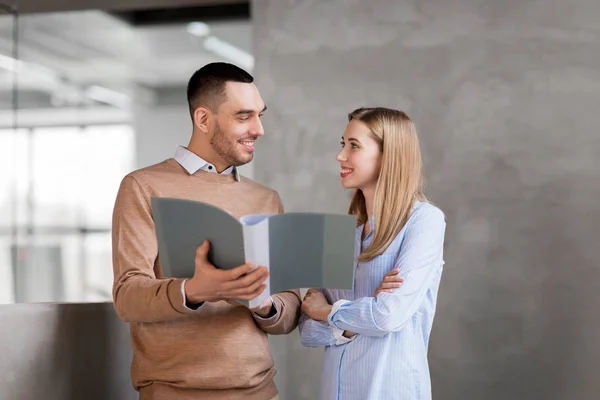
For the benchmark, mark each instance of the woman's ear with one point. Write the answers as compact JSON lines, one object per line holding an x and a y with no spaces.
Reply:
{"x":201,"y":119}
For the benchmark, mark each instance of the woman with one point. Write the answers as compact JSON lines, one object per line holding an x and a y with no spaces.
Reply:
{"x":376,"y":336}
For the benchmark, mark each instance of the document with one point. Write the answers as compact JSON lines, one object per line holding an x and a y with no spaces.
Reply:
{"x":301,"y":250}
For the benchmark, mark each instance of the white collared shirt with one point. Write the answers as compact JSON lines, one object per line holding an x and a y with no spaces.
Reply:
{"x":193,"y":163}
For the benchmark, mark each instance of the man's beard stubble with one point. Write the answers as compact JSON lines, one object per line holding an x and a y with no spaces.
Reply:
{"x":225,"y":149}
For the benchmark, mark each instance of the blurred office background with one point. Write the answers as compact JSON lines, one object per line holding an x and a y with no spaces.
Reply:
{"x":505,"y":97}
{"x":98,"y":94}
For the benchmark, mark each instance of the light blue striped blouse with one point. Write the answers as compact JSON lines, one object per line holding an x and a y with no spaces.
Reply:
{"x":387,"y":359}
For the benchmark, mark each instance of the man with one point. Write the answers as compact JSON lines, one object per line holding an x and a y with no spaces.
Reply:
{"x":190,"y":339}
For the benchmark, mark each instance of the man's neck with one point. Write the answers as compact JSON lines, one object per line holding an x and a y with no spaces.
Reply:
{"x":205,"y":152}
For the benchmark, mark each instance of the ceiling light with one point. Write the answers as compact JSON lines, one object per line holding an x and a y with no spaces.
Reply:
{"x":108,"y":96}
{"x":39,"y":73}
{"x":10,"y":64}
{"x":229,"y":51}
{"x":199,"y":29}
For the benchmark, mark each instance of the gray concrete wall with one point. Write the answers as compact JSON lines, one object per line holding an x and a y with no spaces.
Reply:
{"x":64,"y":352}
{"x":505,"y":95}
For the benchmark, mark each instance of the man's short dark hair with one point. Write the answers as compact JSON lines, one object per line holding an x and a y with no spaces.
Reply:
{"x":206,"y":88}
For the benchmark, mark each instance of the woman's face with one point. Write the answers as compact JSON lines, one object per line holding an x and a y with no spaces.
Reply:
{"x":360,"y":157}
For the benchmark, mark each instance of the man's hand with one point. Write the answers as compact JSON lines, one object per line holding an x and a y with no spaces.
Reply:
{"x":315,"y":305}
{"x":212,"y":284}
{"x":389,"y":282}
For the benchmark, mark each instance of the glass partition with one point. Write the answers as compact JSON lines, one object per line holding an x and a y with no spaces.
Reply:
{"x":85,"y":98}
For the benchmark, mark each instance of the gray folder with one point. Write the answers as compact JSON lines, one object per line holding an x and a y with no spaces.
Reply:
{"x":302,"y":250}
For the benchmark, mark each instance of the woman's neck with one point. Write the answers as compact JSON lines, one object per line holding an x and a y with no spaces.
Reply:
{"x":369,"y":201}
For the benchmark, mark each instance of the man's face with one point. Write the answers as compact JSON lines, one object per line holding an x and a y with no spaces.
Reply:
{"x":237,"y":124}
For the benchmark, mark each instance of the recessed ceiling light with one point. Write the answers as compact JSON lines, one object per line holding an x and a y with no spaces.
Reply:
{"x":199,"y":29}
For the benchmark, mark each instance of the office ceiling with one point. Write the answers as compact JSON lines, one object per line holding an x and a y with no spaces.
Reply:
{"x":80,"y":56}
{"x":37,"y":6}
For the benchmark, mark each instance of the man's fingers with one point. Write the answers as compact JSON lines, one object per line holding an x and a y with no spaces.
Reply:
{"x":250,"y":295}
{"x":237,"y":272}
{"x":257,"y":292}
{"x":258,"y":275}
{"x":247,"y":289}
{"x":253,"y":279}
{"x":393,"y":272}
{"x":202,"y":251}
{"x":311,"y":292}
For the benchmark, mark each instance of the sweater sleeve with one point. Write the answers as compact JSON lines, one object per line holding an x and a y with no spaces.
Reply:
{"x":285,"y":319}
{"x":137,"y":294}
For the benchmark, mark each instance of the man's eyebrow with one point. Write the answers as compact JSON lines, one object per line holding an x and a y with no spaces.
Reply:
{"x":246,"y":111}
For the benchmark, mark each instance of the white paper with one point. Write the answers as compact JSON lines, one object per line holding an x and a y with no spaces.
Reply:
{"x":253,"y":219}
{"x":256,"y":249}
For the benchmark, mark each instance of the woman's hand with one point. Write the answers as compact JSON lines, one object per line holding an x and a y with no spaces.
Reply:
{"x":390,"y":281}
{"x":315,"y":305}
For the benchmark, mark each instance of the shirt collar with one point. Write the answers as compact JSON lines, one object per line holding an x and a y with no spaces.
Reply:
{"x":193,"y":163}
{"x":372,"y":223}
{"x":372,"y":227}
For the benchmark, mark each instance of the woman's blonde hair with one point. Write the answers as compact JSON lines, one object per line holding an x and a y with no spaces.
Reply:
{"x":400,"y":180}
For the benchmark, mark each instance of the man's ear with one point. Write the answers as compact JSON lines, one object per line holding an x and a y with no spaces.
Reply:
{"x":201,"y":119}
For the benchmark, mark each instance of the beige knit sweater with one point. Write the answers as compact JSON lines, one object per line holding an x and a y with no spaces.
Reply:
{"x":219,"y":351}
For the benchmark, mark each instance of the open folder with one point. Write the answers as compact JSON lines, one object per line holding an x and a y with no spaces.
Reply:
{"x":301,"y":250}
